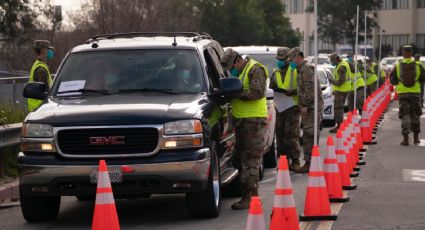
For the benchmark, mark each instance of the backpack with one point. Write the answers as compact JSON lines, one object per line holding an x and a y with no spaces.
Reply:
{"x":408,"y":74}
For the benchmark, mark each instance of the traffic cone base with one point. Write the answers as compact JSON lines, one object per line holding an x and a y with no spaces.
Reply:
{"x":354,"y":174}
{"x":315,"y":218}
{"x":356,"y":169}
{"x":349,"y":187}
{"x":361,"y":162}
{"x":339,"y":200}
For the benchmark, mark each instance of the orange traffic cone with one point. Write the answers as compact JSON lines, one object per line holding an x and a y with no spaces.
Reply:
{"x":317,"y":206}
{"x":332,"y":177}
{"x":343,"y":165}
{"x":284,"y":215}
{"x":105,"y":214}
{"x":255,"y":216}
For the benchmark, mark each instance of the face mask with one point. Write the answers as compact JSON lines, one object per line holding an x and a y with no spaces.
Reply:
{"x":293,"y":64}
{"x":350,"y":59}
{"x":234,"y":72}
{"x":111,"y":80}
{"x":185,"y":74}
{"x":333,"y":64}
{"x":50,"y":54}
{"x":280,"y":64}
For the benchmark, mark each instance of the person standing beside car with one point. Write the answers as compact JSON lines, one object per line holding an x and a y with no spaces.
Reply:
{"x":249,"y":110}
{"x":306,"y":96}
{"x":408,"y":76}
{"x":341,"y":87}
{"x":40,"y":71}
{"x":371,"y":77}
{"x":284,"y":84}
{"x":357,"y":83}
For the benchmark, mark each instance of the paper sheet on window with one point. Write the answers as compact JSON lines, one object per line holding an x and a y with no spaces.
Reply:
{"x":71,"y":86}
{"x":282,"y":102}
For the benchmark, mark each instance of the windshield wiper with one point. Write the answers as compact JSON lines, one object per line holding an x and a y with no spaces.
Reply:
{"x":167,"y":91}
{"x":98,"y":91}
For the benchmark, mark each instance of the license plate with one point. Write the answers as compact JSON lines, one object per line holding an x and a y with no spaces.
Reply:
{"x":115,"y":175}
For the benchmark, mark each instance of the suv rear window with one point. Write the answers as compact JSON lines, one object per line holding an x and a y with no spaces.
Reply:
{"x":177,"y":71}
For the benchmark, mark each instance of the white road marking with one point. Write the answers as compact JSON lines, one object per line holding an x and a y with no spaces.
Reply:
{"x":414,"y":175}
{"x":268,"y":180}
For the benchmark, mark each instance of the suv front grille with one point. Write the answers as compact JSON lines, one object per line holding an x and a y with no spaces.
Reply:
{"x":107,"y":141}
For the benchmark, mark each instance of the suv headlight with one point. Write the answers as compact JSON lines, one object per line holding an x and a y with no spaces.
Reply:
{"x":182,"y":134}
{"x":37,"y":130}
{"x":183,"y":127}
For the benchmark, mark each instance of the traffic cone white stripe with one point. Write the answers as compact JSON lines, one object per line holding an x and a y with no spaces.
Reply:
{"x":341,"y":158}
{"x":283,"y":180}
{"x":316,"y":165}
{"x":284,"y":201}
{"x":331,"y":168}
{"x":103,"y":180}
{"x":256,"y":222}
{"x":316,"y":182}
{"x":105,"y":198}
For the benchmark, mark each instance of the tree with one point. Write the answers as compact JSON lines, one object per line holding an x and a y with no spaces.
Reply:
{"x":337,"y":20}
{"x":17,"y":18}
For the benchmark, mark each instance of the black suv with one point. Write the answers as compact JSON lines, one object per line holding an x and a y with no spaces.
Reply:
{"x":152,"y":104}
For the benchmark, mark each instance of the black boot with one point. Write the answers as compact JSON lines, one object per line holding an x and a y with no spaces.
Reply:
{"x":416,"y":138}
{"x":335,"y":129}
{"x":246,"y":199}
{"x":405,"y":141}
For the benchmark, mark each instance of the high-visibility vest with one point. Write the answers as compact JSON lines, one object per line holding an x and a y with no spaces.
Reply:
{"x":249,"y":108}
{"x":34,"y":103}
{"x":346,"y":86}
{"x":359,"y":80}
{"x":416,"y":88}
{"x":371,"y":77}
{"x":290,"y":82}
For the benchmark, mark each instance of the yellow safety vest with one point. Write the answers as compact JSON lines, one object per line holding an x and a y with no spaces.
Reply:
{"x":416,"y":88}
{"x":34,"y":103}
{"x":371,"y":77}
{"x":290,"y":82}
{"x":249,"y":108}
{"x":359,"y":80}
{"x":346,"y":86}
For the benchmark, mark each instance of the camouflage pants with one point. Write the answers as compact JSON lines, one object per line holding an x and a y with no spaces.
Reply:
{"x":308,"y":132}
{"x":249,"y":150}
{"x":422,"y":95}
{"x":359,"y":102}
{"x":409,"y":112}
{"x":288,"y":133}
{"x":371,"y":88}
{"x":339,"y":101}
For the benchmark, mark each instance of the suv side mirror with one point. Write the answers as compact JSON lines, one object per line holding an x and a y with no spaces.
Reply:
{"x":35,"y":90}
{"x":230,"y":86}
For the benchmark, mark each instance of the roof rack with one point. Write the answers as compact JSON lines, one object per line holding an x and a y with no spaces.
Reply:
{"x":197,"y":36}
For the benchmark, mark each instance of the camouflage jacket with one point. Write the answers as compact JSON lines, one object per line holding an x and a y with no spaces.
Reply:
{"x":306,"y":86}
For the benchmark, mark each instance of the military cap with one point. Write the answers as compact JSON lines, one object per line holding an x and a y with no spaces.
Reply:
{"x":407,"y":48}
{"x":417,"y":56}
{"x":292,"y":53}
{"x":38,"y":44}
{"x":333,"y":57}
{"x":282,"y":53}
{"x":228,"y":58}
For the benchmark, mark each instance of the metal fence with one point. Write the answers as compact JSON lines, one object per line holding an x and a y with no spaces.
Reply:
{"x":11,"y":91}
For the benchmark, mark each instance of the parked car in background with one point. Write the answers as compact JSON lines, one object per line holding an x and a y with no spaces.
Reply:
{"x":321,"y":60}
{"x":327,"y":94}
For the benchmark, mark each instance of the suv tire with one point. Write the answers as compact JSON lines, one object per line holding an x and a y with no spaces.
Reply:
{"x":40,"y":208}
{"x":207,"y":203}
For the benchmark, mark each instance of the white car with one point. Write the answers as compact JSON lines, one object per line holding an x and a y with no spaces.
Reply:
{"x":327,"y":94}
{"x":322,"y":59}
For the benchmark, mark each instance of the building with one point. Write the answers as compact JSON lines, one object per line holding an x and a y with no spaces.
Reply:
{"x":402,"y":20}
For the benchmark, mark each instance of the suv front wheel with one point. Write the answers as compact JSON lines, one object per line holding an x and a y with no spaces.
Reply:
{"x":207,"y":204}
{"x":39,"y":208}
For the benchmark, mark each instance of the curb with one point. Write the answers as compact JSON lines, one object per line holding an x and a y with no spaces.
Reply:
{"x":9,"y":191}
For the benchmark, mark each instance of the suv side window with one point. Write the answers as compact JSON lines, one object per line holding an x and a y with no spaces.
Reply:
{"x":215,"y":71}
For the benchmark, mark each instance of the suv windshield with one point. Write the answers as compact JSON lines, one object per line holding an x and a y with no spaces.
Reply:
{"x":129,"y":71}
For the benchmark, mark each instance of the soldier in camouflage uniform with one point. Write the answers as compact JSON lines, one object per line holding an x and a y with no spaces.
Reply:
{"x":407,"y":76}
{"x":287,"y":119}
{"x":306,"y":102}
{"x":360,"y":88}
{"x":341,"y":87}
{"x":249,"y":110}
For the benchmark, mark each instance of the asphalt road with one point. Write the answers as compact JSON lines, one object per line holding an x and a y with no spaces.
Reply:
{"x":389,"y":196}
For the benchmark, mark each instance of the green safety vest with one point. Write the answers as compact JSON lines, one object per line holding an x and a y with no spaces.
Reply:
{"x":416,"y":88}
{"x":290,"y":82}
{"x":249,"y":108}
{"x":34,"y":103}
{"x":346,"y":86}
{"x":359,"y":80}
{"x":371,"y":77}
